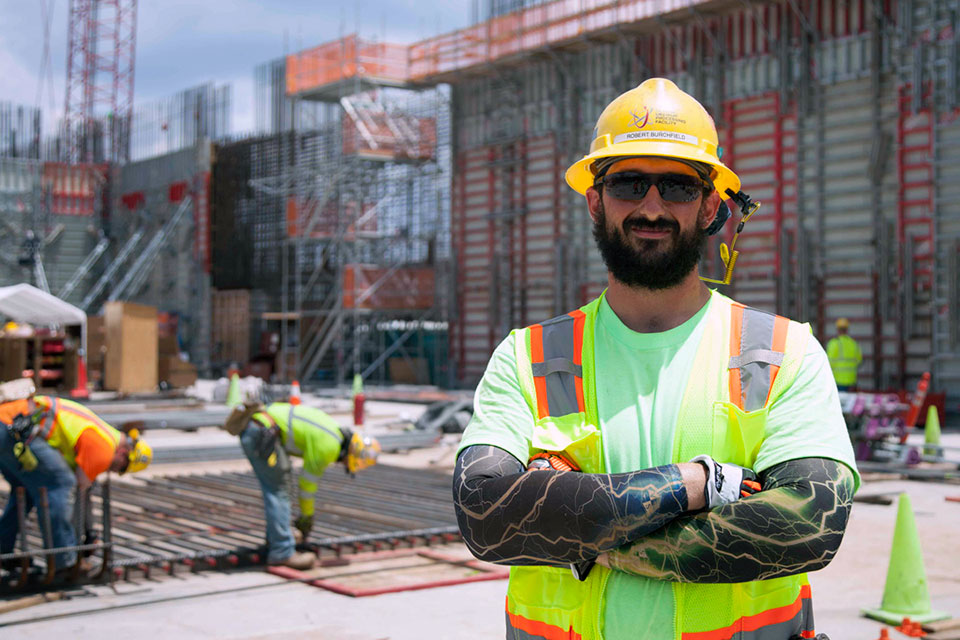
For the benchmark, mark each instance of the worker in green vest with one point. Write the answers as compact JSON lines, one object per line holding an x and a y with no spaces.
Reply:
{"x":611,"y":456}
{"x":269,"y":435}
{"x":845,"y":357}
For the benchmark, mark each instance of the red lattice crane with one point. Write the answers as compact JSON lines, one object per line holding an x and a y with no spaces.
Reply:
{"x":100,"y":61}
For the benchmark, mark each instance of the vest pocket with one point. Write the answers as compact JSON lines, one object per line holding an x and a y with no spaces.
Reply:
{"x":737,"y":434}
{"x":573,"y":436}
{"x":547,"y":602}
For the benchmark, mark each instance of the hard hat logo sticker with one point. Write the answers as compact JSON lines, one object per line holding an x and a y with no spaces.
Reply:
{"x":640,"y":119}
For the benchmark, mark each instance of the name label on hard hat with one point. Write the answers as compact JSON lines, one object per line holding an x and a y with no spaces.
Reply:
{"x":673,"y":136}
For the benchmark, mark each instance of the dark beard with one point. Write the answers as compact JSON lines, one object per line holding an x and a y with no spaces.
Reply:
{"x":647,"y":269}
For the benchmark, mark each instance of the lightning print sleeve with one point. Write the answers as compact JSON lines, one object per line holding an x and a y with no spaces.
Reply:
{"x":794,"y":525}
{"x":511,"y":516}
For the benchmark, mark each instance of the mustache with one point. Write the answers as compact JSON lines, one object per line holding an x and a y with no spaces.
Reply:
{"x":642,"y":224}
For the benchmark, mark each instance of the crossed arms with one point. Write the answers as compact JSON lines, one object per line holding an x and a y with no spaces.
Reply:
{"x":640,"y":523}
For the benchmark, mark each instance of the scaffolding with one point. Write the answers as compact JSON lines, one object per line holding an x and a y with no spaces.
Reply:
{"x":348,"y":205}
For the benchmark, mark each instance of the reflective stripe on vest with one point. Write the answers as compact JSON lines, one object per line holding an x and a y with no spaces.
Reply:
{"x":49,"y":419}
{"x":757,"y":341}
{"x":288,"y":442}
{"x":772,"y":624}
{"x":556,"y":347}
{"x":520,"y":628}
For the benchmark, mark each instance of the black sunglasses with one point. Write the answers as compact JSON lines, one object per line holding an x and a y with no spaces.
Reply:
{"x":673,"y":187}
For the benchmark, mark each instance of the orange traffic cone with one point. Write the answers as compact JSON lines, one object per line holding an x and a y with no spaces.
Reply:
{"x":295,"y":393}
{"x":81,"y":390}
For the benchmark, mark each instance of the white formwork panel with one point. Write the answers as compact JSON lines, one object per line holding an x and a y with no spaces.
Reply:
{"x":838,"y":146}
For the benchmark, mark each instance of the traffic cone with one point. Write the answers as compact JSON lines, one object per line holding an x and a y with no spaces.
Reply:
{"x":295,"y":393}
{"x":233,"y":393}
{"x":81,"y":391}
{"x":905,"y":593}
{"x":931,"y":432}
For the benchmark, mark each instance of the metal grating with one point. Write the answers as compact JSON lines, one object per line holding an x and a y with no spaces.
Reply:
{"x":216,"y":520}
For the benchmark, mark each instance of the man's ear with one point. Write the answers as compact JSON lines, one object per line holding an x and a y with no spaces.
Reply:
{"x":711,"y":205}
{"x":593,"y":202}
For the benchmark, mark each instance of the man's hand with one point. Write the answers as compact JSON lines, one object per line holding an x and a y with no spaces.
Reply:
{"x":304,"y":524}
{"x":726,"y":482}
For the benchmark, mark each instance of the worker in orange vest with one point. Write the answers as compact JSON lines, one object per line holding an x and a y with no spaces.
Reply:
{"x":58,"y":444}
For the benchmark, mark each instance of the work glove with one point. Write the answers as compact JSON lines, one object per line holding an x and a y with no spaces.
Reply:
{"x":726,"y":482}
{"x":304,"y":524}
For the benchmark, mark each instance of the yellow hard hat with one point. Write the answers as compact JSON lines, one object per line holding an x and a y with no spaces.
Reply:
{"x":843,"y":323}
{"x":140,"y":454}
{"x":656,"y":118}
{"x":362,"y":452}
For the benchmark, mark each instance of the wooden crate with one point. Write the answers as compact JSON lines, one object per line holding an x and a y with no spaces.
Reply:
{"x":131,"y":339}
{"x":231,"y":326}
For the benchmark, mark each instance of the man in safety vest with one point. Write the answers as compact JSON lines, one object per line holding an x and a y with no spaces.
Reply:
{"x":845,"y":357}
{"x":611,"y":454}
{"x":58,"y":444}
{"x":268,"y":435}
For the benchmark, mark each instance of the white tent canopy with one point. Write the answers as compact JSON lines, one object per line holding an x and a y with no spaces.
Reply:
{"x":26,"y":303}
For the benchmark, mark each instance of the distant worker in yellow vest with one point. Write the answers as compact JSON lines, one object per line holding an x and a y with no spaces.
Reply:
{"x":58,"y":444}
{"x":269,"y":435}
{"x":845,"y":357}
{"x":663,"y":462}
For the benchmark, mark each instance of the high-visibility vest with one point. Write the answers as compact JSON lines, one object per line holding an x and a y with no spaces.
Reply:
{"x":745,"y":360}
{"x":307,"y":433}
{"x":66,"y":420}
{"x":844,"y":355}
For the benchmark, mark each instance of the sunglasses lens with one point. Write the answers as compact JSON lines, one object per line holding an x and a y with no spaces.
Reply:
{"x":627,"y":186}
{"x":673,"y":187}
{"x":679,"y":188}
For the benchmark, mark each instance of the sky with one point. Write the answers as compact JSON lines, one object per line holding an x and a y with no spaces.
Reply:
{"x":183,"y":43}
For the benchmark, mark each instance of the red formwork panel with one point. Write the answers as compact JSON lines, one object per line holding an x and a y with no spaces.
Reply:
{"x":759,"y":143}
{"x":505,"y":226}
{"x":73,"y":188}
{"x":385,"y":288}
{"x":328,"y":218}
{"x":387,"y":137}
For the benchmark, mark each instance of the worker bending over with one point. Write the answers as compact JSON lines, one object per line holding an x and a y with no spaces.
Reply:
{"x":58,"y":444}
{"x":268,"y":436}
{"x":845,"y":357}
{"x":609,"y":457}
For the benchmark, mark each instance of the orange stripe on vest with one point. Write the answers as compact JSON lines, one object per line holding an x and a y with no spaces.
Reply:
{"x":540,"y":629}
{"x":757,"y":621}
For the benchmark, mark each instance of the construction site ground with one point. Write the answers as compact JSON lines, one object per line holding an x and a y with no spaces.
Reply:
{"x":252,"y":603}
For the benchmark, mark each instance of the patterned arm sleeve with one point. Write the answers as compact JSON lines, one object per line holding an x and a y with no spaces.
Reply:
{"x":794,"y":525}
{"x":511,"y":516}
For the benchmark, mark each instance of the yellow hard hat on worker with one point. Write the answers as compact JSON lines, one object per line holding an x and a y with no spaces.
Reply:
{"x":656,"y":118}
{"x":843,"y":323}
{"x":362,"y":452}
{"x":141,"y":453}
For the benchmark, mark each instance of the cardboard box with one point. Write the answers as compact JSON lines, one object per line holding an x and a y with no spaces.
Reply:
{"x":175,"y":372}
{"x":131,"y":340}
{"x":408,"y":370}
